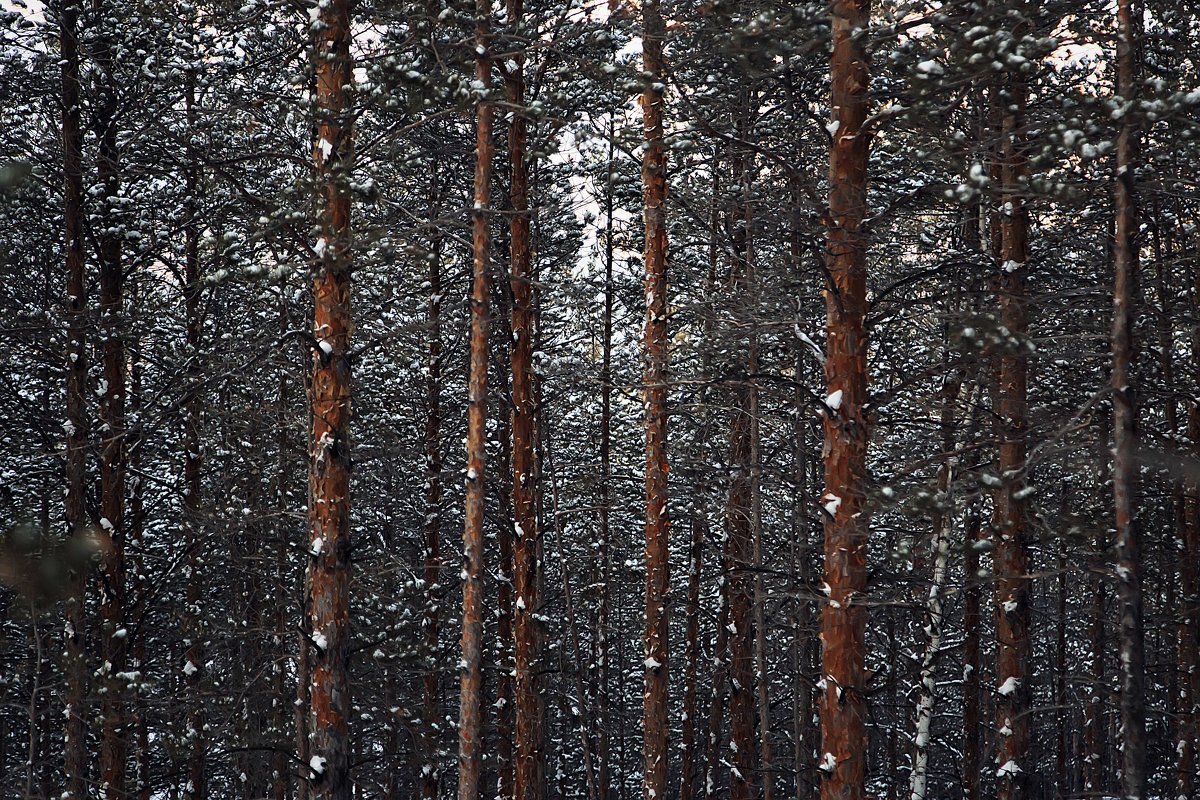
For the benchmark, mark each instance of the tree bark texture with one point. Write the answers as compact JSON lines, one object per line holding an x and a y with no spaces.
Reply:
{"x":1127,"y":545}
{"x":75,"y":369}
{"x":843,"y":758}
{"x":654,"y":398}
{"x":330,"y":393}
{"x":470,"y":715}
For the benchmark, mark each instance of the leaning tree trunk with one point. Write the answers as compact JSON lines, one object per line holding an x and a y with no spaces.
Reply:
{"x":844,"y":617}
{"x":470,"y":713}
{"x":330,"y":395}
{"x":654,"y":192}
{"x":74,"y":637}
{"x":1127,"y":545}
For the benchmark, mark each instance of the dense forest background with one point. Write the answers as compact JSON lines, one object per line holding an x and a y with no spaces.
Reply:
{"x":599,"y":399}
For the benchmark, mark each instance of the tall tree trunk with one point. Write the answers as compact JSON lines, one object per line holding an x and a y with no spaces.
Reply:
{"x":1011,"y":554}
{"x":1189,"y":641}
{"x":113,"y":456}
{"x":972,"y":663}
{"x":1127,"y":544}
{"x":470,"y":713}
{"x":196,"y":787}
{"x":330,"y":396}
{"x":654,"y":193}
{"x":943,"y":524}
{"x":75,"y":512}
{"x":602,"y":712}
{"x":279,"y":759}
{"x":1095,"y":773}
{"x":740,"y":567}
{"x":529,"y":772}
{"x":716,"y":708}
{"x":137,"y":530}
{"x":432,"y":556}
{"x":699,"y":525}
{"x":844,"y":616}
{"x":738,"y":588}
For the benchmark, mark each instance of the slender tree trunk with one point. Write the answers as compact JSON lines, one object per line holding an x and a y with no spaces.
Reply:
{"x":196,"y":787}
{"x":699,"y":527}
{"x":602,"y":713}
{"x":1127,"y":543}
{"x":1189,"y":640}
{"x":470,"y":715}
{"x":844,"y":616}
{"x":943,"y":525}
{"x":113,"y":456}
{"x":1061,"y":701}
{"x":738,"y":588}
{"x":137,"y":529}
{"x":75,"y":513}
{"x":279,"y":708}
{"x":432,"y":556}
{"x":1095,"y":774}
{"x":330,"y":397}
{"x":654,"y":192}
{"x":716,"y":708}
{"x":529,"y":772}
{"x":1011,"y":554}
{"x":972,"y":663}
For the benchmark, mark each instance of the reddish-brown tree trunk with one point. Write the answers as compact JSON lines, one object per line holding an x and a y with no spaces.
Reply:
{"x":1127,"y":545}
{"x":654,"y":380}
{"x":330,"y":394}
{"x":1011,"y":554}
{"x":75,"y":513}
{"x":529,"y":768}
{"x":470,"y":713}
{"x":844,"y":617}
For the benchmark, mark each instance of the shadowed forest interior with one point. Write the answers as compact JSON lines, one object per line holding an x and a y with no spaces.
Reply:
{"x":600,"y":399}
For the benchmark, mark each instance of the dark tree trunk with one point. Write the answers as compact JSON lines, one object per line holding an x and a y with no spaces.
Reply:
{"x":75,"y":513}
{"x":1127,"y":545}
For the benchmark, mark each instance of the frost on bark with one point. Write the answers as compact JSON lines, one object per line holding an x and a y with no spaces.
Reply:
{"x":328,"y":589}
{"x":1127,"y":545}
{"x":654,"y":399}
{"x":843,"y":756}
{"x":470,"y":713}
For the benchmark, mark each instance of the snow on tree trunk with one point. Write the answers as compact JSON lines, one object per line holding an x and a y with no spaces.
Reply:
{"x":843,"y":759}
{"x":330,"y":390}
